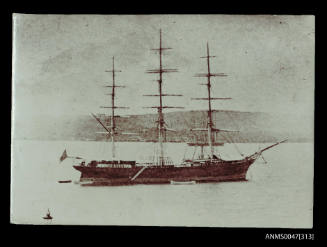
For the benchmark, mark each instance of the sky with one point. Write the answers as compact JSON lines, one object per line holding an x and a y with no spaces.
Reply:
{"x":59,"y":62}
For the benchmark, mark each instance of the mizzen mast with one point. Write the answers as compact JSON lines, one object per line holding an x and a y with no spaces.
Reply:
{"x":161,"y":123}
{"x":210,"y":125}
{"x":112,"y":129}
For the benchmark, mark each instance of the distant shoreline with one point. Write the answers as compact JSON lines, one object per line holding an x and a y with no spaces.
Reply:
{"x":246,"y":127}
{"x":289,"y":141}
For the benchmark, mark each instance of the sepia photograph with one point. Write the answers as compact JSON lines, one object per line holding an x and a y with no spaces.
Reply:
{"x":199,"y":120}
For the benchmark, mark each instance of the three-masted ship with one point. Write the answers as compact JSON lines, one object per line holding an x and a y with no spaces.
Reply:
{"x":161,"y":169}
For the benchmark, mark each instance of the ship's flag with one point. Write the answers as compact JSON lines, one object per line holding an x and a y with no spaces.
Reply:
{"x":63,"y":156}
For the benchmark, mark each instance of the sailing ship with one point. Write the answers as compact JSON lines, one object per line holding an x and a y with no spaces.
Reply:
{"x":161,"y":169}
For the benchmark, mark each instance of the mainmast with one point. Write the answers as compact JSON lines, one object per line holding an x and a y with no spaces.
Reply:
{"x":210,"y":126}
{"x":161,"y":123}
{"x":112,"y":129}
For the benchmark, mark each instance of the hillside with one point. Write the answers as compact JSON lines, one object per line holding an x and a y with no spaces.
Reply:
{"x":251,"y":127}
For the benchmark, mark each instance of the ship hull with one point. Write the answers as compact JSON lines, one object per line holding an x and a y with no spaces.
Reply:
{"x":217,"y":171}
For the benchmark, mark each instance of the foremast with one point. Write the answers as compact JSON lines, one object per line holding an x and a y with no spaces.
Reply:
{"x":161,"y":122}
{"x":111,"y":130}
{"x":210,"y":125}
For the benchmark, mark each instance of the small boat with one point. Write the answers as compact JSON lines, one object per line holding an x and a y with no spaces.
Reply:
{"x":48,"y":216}
{"x":182,"y":182}
{"x":86,"y":182}
{"x":64,"y":181}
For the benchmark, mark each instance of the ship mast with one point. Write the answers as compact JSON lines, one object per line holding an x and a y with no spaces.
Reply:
{"x":210,"y":126}
{"x":112,"y":130}
{"x":161,"y":123}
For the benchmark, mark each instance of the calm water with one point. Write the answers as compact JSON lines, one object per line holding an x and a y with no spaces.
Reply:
{"x":278,"y":194}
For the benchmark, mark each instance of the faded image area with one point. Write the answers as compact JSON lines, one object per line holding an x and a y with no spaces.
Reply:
{"x":163,"y":120}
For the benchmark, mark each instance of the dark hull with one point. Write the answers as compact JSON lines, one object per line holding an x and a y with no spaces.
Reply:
{"x":216,"y":171}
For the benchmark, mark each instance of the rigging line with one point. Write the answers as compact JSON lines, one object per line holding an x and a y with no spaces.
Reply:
{"x":243,"y":139}
{"x":194,"y":153}
{"x":185,"y":139}
{"x":189,"y":125}
{"x":103,"y":144}
{"x":228,"y":141}
{"x":103,"y":141}
{"x":185,"y":149}
{"x":154,"y":153}
{"x":235,"y":125}
{"x":236,"y":147}
{"x":107,"y":144}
